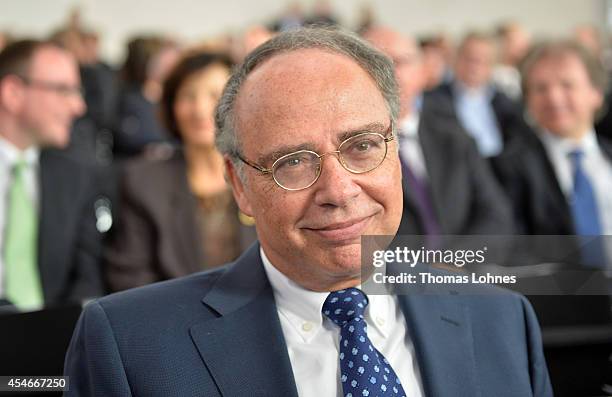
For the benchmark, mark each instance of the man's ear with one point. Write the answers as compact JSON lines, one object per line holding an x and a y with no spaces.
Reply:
{"x":12,"y":93}
{"x":237,"y":187}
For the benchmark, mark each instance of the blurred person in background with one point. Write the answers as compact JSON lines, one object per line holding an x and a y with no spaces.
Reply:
{"x":513,"y":44}
{"x":591,"y":38}
{"x":247,"y":41}
{"x":433,"y":62}
{"x":486,"y":113}
{"x":559,"y":180}
{"x":97,"y":77}
{"x":367,"y":18}
{"x":178,"y":215}
{"x":5,"y":39}
{"x":446,"y":46}
{"x":91,"y":139}
{"x":90,"y":136}
{"x":291,"y":18}
{"x":148,"y":61}
{"x":322,"y":15}
{"x":50,"y":246}
{"x":448,"y":187}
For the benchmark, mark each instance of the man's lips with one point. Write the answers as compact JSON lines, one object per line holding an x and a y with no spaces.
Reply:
{"x":342,"y":231}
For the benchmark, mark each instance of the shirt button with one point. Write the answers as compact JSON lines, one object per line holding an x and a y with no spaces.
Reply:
{"x":307,"y":327}
{"x":380,"y":321}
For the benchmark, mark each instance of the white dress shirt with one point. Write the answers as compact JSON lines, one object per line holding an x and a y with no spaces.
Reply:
{"x":508,"y":80}
{"x":477,"y":116}
{"x":411,"y":151}
{"x":9,"y":156}
{"x":312,"y":339}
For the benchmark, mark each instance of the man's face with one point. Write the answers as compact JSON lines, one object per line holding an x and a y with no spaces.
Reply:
{"x":51,"y":99}
{"x":313,"y":99}
{"x":561,"y":97}
{"x":407,"y":60}
{"x":474,"y":63}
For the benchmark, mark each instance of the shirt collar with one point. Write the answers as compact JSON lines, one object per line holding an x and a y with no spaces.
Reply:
{"x":587,"y":144}
{"x":10,"y":154}
{"x":486,"y":91}
{"x":303,"y":308}
{"x":409,"y":126}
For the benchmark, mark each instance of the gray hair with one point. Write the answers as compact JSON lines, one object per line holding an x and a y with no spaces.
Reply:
{"x":377,"y":65}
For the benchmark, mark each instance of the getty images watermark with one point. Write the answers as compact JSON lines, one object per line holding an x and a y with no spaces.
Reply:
{"x":448,"y":257}
{"x":532,"y":265}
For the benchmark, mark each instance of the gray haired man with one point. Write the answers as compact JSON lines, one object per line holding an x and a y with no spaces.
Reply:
{"x":306,"y":125}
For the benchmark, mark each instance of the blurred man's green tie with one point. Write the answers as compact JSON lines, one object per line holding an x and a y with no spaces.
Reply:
{"x":22,"y":279}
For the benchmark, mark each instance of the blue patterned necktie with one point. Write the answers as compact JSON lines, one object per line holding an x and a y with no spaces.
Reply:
{"x":364,"y":370}
{"x":585,"y":213}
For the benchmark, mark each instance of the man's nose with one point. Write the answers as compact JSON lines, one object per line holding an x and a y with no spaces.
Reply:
{"x":554,"y":95}
{"x":78,"y":105}
{"x":336,"y":185}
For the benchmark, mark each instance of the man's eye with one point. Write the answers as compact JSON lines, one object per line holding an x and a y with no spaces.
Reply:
{"x":294,"y":162}
{"x":362,"y":146}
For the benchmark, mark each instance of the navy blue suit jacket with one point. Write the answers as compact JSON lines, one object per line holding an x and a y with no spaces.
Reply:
{"x":218,"y":334}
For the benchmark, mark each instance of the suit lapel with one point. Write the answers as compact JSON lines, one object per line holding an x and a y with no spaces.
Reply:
{"x":606,"y":147}
{"x":435,"y":168}
{"x":442,"y":337}
{"x":553,"y":190}
{"x":244,"y":348}
{"x":409,"y":202}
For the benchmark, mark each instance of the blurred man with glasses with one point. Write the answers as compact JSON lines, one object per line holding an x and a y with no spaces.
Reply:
{"x":48,"y":239}
{"x":306,"y":125}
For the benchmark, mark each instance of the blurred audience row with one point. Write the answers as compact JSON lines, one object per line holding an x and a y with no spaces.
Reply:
{"x":110,"y":179}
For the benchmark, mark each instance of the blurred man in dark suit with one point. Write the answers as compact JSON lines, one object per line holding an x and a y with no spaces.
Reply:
{"x":487,"y":114}
{"x":448,"y":187}
{"x":49,"y":242}
{"x":559,"y":180}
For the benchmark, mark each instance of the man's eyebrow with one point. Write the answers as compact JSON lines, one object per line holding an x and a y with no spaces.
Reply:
{"x":370,"y":127}
{"x":267,"y":159}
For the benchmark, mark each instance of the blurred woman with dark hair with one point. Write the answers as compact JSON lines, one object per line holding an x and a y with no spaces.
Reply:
{"x":178,"y":215}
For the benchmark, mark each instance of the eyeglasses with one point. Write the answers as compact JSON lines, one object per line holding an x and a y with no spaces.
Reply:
{"x":299,"y":170}
{"x":60,"y":88}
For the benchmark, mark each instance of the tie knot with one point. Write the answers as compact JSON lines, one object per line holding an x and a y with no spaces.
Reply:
{"x":345,"y":305}
{"x":19,"y":166}
{"x":576,"y":156}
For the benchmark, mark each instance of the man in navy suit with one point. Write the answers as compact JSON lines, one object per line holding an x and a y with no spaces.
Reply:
{"x":306,"y":127}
